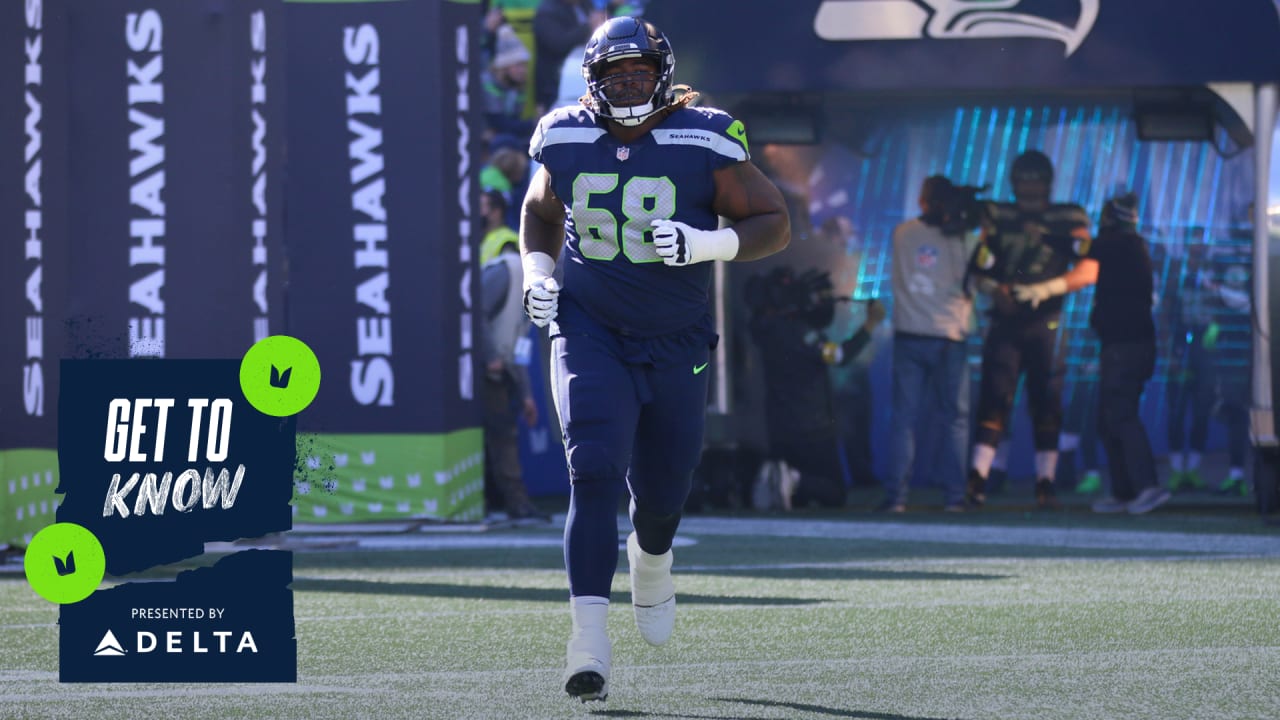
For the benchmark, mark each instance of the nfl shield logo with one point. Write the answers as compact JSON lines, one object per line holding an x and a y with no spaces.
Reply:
{"x":624,"y":153}
{"x":926,"y":257}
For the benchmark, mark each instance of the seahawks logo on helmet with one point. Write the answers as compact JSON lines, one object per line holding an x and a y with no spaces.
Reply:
{"x":618,"y":39}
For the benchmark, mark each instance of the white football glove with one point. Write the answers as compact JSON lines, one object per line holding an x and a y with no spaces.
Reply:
{"x":679,"y":244}
{"x":1037,"y":293}
{"x":541,"y":291}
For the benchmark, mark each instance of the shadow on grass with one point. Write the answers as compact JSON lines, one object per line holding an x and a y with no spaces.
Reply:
{"x":820,"y":710}
{"x":642,"y":714}
{"x":838,"y":573}
{"x":829,"y":711}
{"x":523,"y":594}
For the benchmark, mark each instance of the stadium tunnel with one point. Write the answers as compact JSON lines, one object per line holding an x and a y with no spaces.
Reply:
{"x":859,"y":101}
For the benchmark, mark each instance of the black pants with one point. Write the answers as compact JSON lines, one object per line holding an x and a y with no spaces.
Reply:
{"x":818,"y":460}
{"x":503,"y":479}
{"x":1125,"y":369}
{"x":1014,"y":347}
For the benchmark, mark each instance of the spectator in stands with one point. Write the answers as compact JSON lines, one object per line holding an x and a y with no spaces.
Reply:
{"x":506,"y":171}
{"x":498,"y":234}
{"x":572,"y":85}
{"x":519,"y":15}
{"x":504,"y":88}
{"x":558,"y":27}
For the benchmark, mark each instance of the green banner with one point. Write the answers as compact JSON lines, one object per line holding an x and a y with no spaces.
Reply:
{"x":339,"y":478}
{"x":359,"y":478}
{"x":27,"y":501}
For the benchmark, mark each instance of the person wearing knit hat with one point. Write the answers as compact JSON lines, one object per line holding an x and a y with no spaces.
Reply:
{"x":1121,"y":318}
{"x":504,"y":86}
{"x":509,"y":51}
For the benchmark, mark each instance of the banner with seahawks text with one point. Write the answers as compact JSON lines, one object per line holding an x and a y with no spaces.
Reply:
{"x":33,"y":257}
{"x":176,"y":145}
{"x":380,"y":231}
{"x":909,"y":45}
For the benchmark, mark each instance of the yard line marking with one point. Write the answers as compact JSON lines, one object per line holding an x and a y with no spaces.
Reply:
{"x":1079,"y":538}
{"x":65,"y":694}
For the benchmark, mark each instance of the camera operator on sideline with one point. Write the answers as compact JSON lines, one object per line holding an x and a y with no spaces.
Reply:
{"x":932,"y":312}
{"x":788,"y":315}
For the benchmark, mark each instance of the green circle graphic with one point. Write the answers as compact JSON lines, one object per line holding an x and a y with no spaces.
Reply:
{"x":280,"y":376}
{"x":65,"y":563}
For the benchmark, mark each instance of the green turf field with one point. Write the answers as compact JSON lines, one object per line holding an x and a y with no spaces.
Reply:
{"x":998,"y":615}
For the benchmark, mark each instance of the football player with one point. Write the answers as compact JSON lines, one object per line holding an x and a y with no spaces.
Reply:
{"x":1031,"y":253}
{"x":631,"y":186}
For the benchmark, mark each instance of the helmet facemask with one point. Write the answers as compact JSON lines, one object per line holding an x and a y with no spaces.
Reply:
{"x":614,"y":96}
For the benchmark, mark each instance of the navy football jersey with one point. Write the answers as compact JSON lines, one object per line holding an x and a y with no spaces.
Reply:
{"x":1028,"y":247}
{"x":613,"y":191}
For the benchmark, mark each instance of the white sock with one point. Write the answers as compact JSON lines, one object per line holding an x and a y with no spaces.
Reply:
{"x":589,"y":611}
{"x":653,"y":575}
{"x":653,"y":563}
{"x":1176,"y":462}
{"x":983,"y":455}
{"x":588,"y":645}
{"x":1001,"y":461}
{"x":1046,"y":463}
{"x":1193,"y":460}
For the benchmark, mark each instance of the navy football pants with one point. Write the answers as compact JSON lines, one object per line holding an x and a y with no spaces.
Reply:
{"x":631,"y":409}
{"x":1014,"y":347}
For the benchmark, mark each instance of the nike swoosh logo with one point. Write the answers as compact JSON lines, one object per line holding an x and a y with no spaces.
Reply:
{"x":699,"y":368}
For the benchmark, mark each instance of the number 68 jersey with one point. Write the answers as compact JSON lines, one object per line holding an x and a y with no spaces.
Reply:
{"x":612,"y":193}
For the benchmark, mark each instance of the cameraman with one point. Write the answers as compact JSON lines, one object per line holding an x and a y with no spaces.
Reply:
{"x":788,"y":314}
{"x":931,"y":315}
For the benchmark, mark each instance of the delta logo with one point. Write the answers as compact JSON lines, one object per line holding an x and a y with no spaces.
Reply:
{"x":177,"y":642}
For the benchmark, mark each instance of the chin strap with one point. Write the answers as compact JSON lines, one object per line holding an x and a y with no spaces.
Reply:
{"x":683,"y":96}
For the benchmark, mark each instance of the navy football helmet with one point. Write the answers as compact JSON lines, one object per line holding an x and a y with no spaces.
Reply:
{"x":1032,"y":165}
{"x":618,"y":39}
{"x":1032,"y":178}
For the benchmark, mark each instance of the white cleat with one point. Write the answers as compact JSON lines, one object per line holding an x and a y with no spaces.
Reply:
{"x":589,"y":655}
{"x":653,"y":594}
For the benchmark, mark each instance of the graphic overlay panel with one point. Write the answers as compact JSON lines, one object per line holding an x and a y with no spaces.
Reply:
{"x":172,"y":450}
{"x":169,"y":449}
{"x":232,"y":622}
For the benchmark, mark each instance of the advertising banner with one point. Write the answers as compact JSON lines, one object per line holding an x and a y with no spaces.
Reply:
{"x":33,"y":258}
{"x":380,"y":226}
